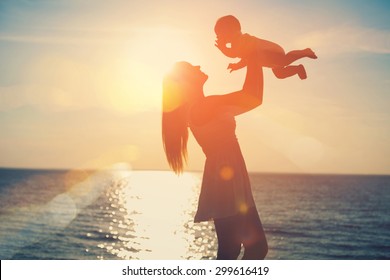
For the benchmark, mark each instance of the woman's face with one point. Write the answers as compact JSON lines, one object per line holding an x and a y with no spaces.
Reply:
{"x":190,"y":78}
{"x":194,"y":74}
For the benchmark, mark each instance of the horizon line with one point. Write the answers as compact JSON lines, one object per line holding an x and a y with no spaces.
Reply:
{"x":64,"y":169}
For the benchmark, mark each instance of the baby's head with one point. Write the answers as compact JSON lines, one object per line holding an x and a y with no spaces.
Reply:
{"x":227,"y":28}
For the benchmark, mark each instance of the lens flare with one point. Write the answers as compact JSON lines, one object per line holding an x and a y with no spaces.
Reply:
{"x":226,"y":173}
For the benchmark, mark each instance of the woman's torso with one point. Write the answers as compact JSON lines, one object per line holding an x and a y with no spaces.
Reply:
{"x":216,"y":135}
{"x":225,"y":187}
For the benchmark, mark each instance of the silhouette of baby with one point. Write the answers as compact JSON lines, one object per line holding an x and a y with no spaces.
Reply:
{"x":269,"y":54}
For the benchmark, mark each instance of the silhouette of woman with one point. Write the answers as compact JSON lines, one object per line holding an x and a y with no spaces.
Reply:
{"x":226,"y":196}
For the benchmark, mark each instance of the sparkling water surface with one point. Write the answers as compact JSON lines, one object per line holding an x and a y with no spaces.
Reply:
{"x":124,"y":214}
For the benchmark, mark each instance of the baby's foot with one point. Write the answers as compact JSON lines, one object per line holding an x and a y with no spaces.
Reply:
{"x":309,"y":53}
{"x":302,"y":72}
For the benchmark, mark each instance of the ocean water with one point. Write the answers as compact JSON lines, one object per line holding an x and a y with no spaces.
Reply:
{"x":123,"y":214}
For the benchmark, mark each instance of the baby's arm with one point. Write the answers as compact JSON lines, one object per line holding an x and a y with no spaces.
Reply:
{"x":235,"y":66}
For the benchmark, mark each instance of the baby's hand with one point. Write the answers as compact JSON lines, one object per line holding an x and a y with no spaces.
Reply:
{"x":233,"y":67}
{"x":220,"y":45}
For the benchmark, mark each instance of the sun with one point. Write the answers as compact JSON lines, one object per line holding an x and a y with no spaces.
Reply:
{"x":149,"y":54}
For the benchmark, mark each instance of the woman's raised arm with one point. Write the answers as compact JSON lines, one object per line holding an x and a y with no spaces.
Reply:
{"x":239,"y":102}
{"x":254,"y":82}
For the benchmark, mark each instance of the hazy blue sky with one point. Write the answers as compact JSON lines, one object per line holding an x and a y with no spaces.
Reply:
{"x":80,"y":82}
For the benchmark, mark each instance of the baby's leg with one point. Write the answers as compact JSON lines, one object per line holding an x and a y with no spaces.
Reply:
{"x":288,"y":71}
{"x":298,"y":54}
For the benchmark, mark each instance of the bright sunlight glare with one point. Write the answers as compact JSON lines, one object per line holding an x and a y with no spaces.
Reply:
{"x":150,"y":53}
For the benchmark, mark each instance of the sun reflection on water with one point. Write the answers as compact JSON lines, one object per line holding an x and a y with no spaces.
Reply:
{"x":149,"y":215}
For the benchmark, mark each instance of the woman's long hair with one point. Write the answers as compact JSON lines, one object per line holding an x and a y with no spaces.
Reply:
{"x":174,"y":119}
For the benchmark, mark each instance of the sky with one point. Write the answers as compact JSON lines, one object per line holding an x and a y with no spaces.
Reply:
{"x":80,"y":82}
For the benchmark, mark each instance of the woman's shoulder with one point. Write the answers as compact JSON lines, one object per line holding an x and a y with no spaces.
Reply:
{"x":200,"y":111}
{"x":208,"y":109}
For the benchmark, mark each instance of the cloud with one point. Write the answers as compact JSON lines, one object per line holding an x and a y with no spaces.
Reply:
{"x":55,"y":82}
{"x":50,"y":39}
{"x":51,"y":82}
{"x":42,"y":97}
{"x":348,"y":39}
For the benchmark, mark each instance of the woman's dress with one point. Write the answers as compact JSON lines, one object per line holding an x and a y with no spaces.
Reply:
{"x":225,"y":189}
